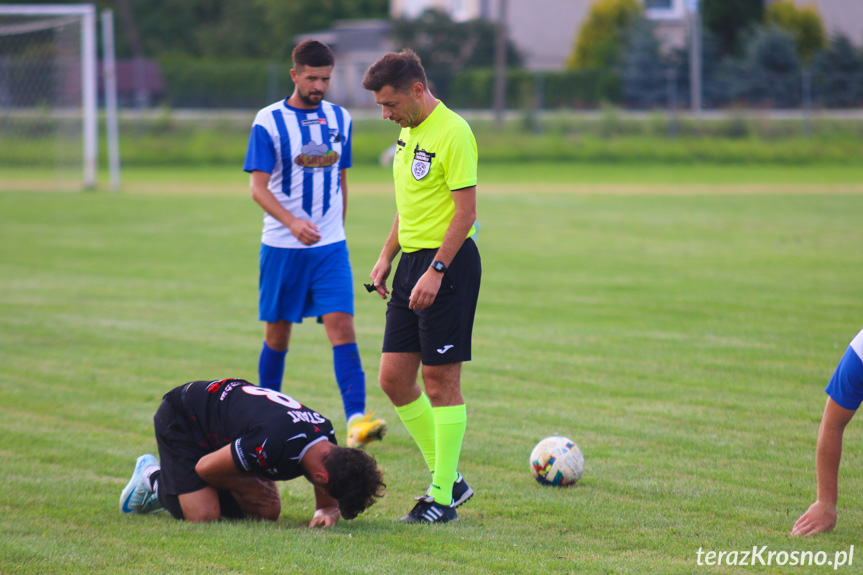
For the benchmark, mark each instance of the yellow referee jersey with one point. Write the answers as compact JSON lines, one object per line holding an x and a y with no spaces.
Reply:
{"x":431,"y":160}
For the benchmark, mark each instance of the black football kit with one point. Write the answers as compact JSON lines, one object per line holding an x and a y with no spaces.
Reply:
{"x":268,"y":431}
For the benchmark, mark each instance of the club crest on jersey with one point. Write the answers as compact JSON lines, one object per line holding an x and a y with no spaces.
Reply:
{"x":315,"y":155}
{"x":261,"y":455}
{"x":421,"y":166}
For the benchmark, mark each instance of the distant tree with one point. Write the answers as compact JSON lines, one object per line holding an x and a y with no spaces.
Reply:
{"x":602,"y":38}
{"x":730,"y":20}
{"x":447,"y":47}
{"x":645,"y":81}
{"x":770,"y":70}
{"x":716,"y":72}
{"x":238,"y":28}
{"x":229,"y":28}
{"x":804,"y":24}
{"x":289,"y":19}
{"x":837,"y":75}
{"x":167,"y":28}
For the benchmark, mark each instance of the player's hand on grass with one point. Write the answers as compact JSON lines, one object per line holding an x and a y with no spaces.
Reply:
{"x":325,"y":517}
{"x":306,"y":232}
{"x":379,"y":276}
{"x":819,"y":518}
{"x":260,"y":491}
{"x":425,"y":292}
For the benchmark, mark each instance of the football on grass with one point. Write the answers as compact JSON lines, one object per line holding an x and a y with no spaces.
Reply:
{"x":556,"y":461}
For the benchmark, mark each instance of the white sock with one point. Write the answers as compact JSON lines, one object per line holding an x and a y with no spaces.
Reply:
{"x":148,"y":473}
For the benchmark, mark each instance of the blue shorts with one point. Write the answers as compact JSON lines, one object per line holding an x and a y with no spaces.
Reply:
{"x":298,"y":283}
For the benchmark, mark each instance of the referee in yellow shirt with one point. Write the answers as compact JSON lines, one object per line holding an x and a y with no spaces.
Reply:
{"x":435,"y":288}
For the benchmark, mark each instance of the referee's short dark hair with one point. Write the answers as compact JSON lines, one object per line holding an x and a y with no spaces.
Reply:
{"x":313,"y":54}
{"x":400,"y":71}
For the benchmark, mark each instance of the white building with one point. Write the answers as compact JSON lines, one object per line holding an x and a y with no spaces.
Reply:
{"x":544,"y":31}
{"x":356,"y":44}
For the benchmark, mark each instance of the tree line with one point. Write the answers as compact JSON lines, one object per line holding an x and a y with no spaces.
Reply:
{"x":778,"y":56}
{"x":224,"y":28}
{"x":752,"y":53}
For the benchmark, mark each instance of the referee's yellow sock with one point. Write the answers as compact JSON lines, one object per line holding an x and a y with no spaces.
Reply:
{"x":419,"y":419}
{"x":450,"y":424}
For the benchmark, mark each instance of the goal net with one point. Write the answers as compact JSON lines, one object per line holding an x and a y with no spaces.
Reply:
{"x":48,"y":110}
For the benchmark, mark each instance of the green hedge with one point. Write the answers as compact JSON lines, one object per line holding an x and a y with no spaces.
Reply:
{"x":203,"y":83}
{"x":197,"y":83}
{"x":248,"y":83}
{"x":474,"y":89}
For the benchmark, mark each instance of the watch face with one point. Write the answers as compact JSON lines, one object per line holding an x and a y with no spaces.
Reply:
{"x":439,"y":266}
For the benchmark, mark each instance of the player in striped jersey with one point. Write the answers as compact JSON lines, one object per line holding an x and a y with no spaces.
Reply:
{"x":298,"y":155}
{"x":844,"y":396}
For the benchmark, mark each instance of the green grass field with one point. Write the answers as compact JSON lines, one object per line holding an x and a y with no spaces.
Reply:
{"x":678,"y":325}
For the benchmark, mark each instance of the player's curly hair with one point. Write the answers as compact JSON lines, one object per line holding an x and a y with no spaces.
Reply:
{"x":313,"y":54}
{"x":400,"y":71}
{"x":355,"y":481}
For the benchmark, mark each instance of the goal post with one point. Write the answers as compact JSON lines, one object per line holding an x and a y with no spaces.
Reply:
{"x":48,"y":88}
{"x":109,"y":73}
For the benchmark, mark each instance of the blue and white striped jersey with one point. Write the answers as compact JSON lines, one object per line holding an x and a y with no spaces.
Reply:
{"x":303,"y":151}
{"x":846,"y":385}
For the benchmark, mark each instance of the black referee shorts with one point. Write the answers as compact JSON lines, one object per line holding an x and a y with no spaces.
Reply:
{"x":441,"y":332}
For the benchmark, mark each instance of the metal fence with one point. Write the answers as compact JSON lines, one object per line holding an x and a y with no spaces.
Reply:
{"x":802,"y":90}
{"x":251,"y":84}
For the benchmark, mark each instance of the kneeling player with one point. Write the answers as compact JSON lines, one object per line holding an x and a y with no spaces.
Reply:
{"x":222,"y":446}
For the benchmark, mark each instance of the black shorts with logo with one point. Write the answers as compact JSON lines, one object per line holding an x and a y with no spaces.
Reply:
{"x":441,"y":332}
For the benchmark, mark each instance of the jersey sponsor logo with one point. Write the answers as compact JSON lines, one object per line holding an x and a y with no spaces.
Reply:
{"x":307,"y":416}
{"x":421,"y":165}
{"x":314,"y":121}
{"x":315,"y":155}
{"x":231,"y":386}
{"x":214,"y":386}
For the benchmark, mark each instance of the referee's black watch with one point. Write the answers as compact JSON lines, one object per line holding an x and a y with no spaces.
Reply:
{"x":439,"y":267}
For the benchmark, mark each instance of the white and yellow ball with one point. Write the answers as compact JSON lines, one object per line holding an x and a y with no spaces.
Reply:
{"x":557,"y":461}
